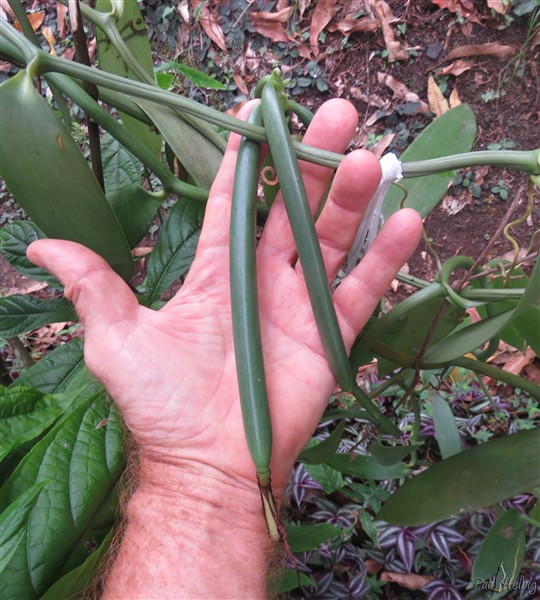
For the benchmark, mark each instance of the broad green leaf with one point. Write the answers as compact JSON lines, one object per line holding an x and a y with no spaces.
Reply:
{"x":14,"y":240}
{"x":25,"y":413}
{"x":13,"y":522}
{"x":330,"y":479}
{"x":175,"y":248}
{"x":528,"y":325}
{"x":336,"y":414}
{"x":135,"y":35}
{"x":391,"y":455}
{"x":366,"y":467}
{"x":135,"y":209}
{"x":321,"y":451}
{"x":199,"y":78}
{"x":287,"y":580}
{"x":446,"y":430}
{"x":502,"y":550}
{"x":120,"y":168}
{"x":74,"y":583}
{"x":82,"y":456}
{"x":200,"y":156}
{"x":302,"y":538}
{"x":20,"y":313}
{"x":478,"y":477}
{"x":61,"y":370}
{"x":451,"y":133}
{"x":467,"y":339}
{"x":51,"y":179}
{"x":165,"y":80}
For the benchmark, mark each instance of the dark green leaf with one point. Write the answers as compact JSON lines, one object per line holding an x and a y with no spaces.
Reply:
{"x":165,"y":80}
{"x":13,"y":522}
{"x":287,"y":580}
{"x":74,"y":583}
{"x":446,"y":430}
{"x":135,"y":36}
{"x":391,"y":455}
{"x":175,"y":248}
{"x":467,"y":339}
{"x":199,"y":78}
{"x":478,"y":477}
{"x":451,"y":133}
{"x":135,"y":209}
{"x":120,"y":168}
{"x":502,"y":550}
{"x":366,"y":467}
{"x":528,"y":325}
{"x":302,"y":538}
{"x":321,"y":451}
{"x":14,"y":240}
{"x":20,"y":313}
{"x":329,"y":478}
{"x":51,"y":179}
{"x":61,"y":370}
{"x":199,"y":155}
{"x":82,"y":456}
{"x":25,"y":413}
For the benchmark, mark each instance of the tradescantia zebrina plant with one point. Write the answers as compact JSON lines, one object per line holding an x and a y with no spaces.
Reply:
{"x":419,"y":340}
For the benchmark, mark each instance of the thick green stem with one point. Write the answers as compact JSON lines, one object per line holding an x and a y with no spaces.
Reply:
{"x":406,"y":360}
{"x":119,"y":132}
{"x":526,"y":160}
{"x":512,"y":159}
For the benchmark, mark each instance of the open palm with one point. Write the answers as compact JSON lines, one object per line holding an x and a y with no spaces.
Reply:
{"x":172,"y":372}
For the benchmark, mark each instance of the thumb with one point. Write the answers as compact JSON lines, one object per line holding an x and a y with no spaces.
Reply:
{"x":99,"y":294}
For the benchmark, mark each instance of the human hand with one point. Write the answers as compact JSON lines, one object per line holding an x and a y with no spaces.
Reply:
{"x":172,"y":372}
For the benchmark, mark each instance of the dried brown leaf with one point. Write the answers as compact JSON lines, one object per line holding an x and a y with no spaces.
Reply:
{"x":454,"y":99}
{"x":498,"y":6}
{"x":61,"y":11}
{"x":395,"y":50}
{"x":210,"y":25}
{"x":518,"y":362}
{"x":274,"y":30}
{"x":438,"y":104}
{"x":489,"y":49}
{"x":36,"y":20}
{"x":282,"y":16}
{"x":324,"y":12}
{"x":348,"y":26}
{"x":238,"y":79}
{"x":411,"y":581}
{"x":5,"y":67}
{"x":302,"y":6}
{"x":401,"y":90}
{"x":456,"y":68}
{"x":49,"y":36}
{"x":379,"y":148}
{"x":462,"y":7}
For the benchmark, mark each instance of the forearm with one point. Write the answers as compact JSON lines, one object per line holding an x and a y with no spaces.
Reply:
{"x":191,"y":533}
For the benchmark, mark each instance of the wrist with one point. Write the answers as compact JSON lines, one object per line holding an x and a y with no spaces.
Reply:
{"x":206,"y":533}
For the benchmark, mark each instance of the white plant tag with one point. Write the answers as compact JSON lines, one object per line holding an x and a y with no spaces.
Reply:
{"x":371,"y":222}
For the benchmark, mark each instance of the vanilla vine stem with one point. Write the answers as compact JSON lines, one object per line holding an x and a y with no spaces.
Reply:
{"x":39,"y":62}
